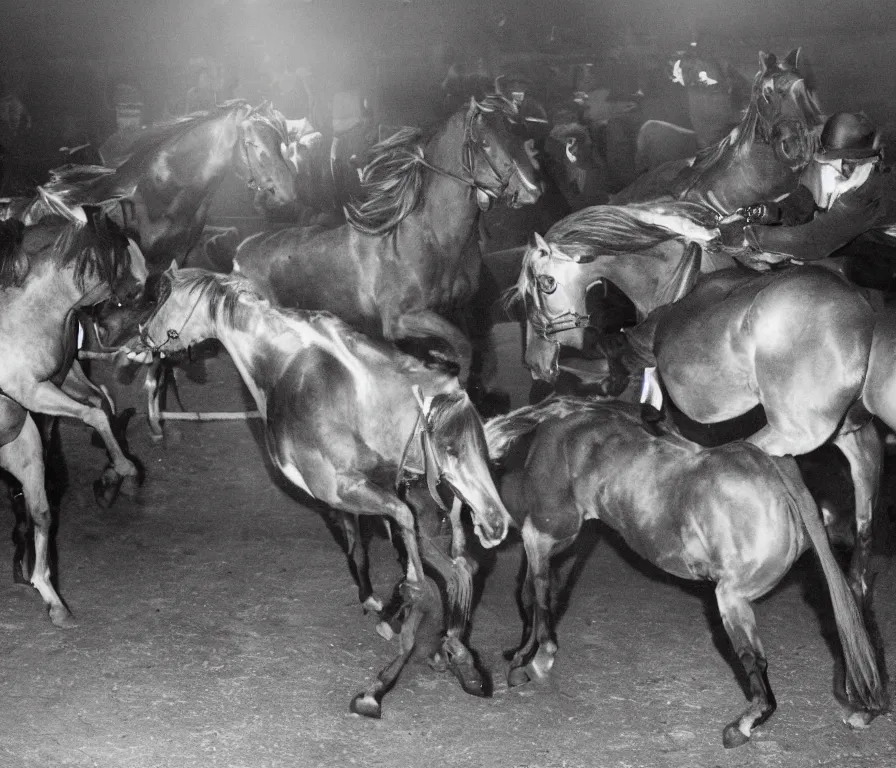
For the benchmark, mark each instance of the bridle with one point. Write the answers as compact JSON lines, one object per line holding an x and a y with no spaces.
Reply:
{"x":472,"y":149}
{"x":245,"y":143}
{"x":544,"y":325}
{"x":171,"y":334}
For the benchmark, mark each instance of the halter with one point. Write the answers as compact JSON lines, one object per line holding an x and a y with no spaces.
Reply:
{"x":546,"y":325}
{"x":171,"y":334}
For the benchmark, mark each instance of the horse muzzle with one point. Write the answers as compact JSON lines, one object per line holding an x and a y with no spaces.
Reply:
{"x":542,"y":357}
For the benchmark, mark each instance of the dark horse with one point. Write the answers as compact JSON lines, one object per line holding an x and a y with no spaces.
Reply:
{"x":407,"y":264}
{"x":173,"y":170}
{"x":49,"y":271}
{"x":803,"y":343}
{"x":350,"y":422}
{"x":760,"y":159}
{"x":731,"y":514}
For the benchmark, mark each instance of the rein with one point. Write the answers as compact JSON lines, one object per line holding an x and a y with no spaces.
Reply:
{"x":470,"y":152}
{"x":431,"y":470}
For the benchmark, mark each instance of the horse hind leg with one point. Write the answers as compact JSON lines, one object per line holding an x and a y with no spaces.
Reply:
{"x":535,"y":657}
{"x":23,"y":554}
{"x":740,"y":624}
{"x":863,"y":449}
{"x":23,"y":458}
{"x":359,"y":496}
{"x":359,"y":562}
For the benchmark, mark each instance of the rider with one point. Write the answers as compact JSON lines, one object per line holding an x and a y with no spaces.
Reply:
{"x":843,"y":193}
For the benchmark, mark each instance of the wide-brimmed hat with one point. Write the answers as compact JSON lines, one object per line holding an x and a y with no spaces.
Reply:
{"x":848,"y":136}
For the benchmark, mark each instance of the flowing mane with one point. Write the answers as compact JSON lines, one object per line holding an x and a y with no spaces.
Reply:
{"x":391,"y":182}
{"x":99,"y":184}
{"x":94,"y":251}
{"x":612,"y":229}
{"x":393,"y":179}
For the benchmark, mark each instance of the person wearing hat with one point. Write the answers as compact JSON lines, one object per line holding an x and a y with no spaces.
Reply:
{"x":843,"y":193}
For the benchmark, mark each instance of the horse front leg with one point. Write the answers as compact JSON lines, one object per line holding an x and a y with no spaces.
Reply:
{"x":536,"y":656}
{"x":359,"y":562}
{"x":457,"y":573}
{"x":740,"y":624}
{"x":152,"y":387}
{"x":427,"y":324}
{"x":122,"y":474}
{"x":23,"y":458}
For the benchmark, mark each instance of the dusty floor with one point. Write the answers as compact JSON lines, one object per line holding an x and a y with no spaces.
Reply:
{"x":218,"y":626}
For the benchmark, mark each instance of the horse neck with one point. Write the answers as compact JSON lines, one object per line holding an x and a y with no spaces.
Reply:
{"x":651,"y":279}
{"x":201,"y":156}
{"x":449,"y":209}
{"x":745,"y":171}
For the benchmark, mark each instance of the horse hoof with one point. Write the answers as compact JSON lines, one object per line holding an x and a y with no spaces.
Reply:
{"x":62,"y":617}
{"x":437,"y":662}
{"x":470,"y":680}
{"x":733,"y":737}
{"x":105,"y":493}
{"x":517,"y":676}
{"x":364,"y":704}
{"x":157,"y":438}
{"x":130,"y":486}
{"x":859,"y":720}
{"x":384,"y":630}
{"x":372,"y":605}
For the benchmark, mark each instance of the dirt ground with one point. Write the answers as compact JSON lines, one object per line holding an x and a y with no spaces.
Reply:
{"x":219,"y":626}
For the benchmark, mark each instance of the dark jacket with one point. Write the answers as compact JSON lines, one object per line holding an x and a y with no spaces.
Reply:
{"x":807,"y":234}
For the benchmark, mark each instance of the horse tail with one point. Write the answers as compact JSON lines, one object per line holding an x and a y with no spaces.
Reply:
{"x":862,"y":673}
{"x":503,"y":432}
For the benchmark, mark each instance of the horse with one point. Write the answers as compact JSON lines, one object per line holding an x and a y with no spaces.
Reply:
{"x":576,"y":166}
{"x":350,"y":421}
{"x":407,"y":263}
{"x":760,"y":159}
{"x":49,"y":271}
{"x":733,"y":340}
{"x":173,"y":170}
{"x":731,"y":514}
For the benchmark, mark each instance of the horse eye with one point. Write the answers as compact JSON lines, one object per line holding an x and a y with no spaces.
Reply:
{"x":546,"y":283}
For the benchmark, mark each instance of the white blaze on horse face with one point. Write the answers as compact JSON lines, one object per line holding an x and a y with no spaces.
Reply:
{"x":677,"y":73}
{"x":706,"y":79}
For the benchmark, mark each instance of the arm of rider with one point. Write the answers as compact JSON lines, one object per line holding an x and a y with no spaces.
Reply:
{"x":846,"y":219}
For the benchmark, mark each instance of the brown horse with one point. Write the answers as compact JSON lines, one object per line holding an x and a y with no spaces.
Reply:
{"x":731,"y":514}
{"x":803,"y":343}
{"x":408,"y":263}
{"x":343,"y":424}
{"x":760,"y":159}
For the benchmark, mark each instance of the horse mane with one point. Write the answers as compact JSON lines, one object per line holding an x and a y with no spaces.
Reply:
{"x":453,"y":410}
{"x":611,"y":230}
{"x":99,"y":184}
{"x":14,"y":262}
{"x":614,"y":229}
{"x":751,"y":127}
{"x":503,"y":432}
{"x":92,"y":250}
{"x":393,"y":180}
{"x":391,"y":183}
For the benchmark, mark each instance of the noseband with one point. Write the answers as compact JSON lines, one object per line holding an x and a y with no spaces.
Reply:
{"x":546,"y":325}
{"x":171,"y":334}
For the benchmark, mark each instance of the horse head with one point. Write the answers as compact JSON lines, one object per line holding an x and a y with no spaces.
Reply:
{"x":263,"y":142}
{"x":787,"y":108}
{"x":454,"y":452}
{"x":554,"y":288}
{"x":498,"y":154}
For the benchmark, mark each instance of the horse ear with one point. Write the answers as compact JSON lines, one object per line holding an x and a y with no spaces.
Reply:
{"x":92,"y":214}
{"x":767,"y":62}
{"x":172,"y":270}
{"x":128,"y":213}
{"x":798,"y":62}
{"x":541,"y":243}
